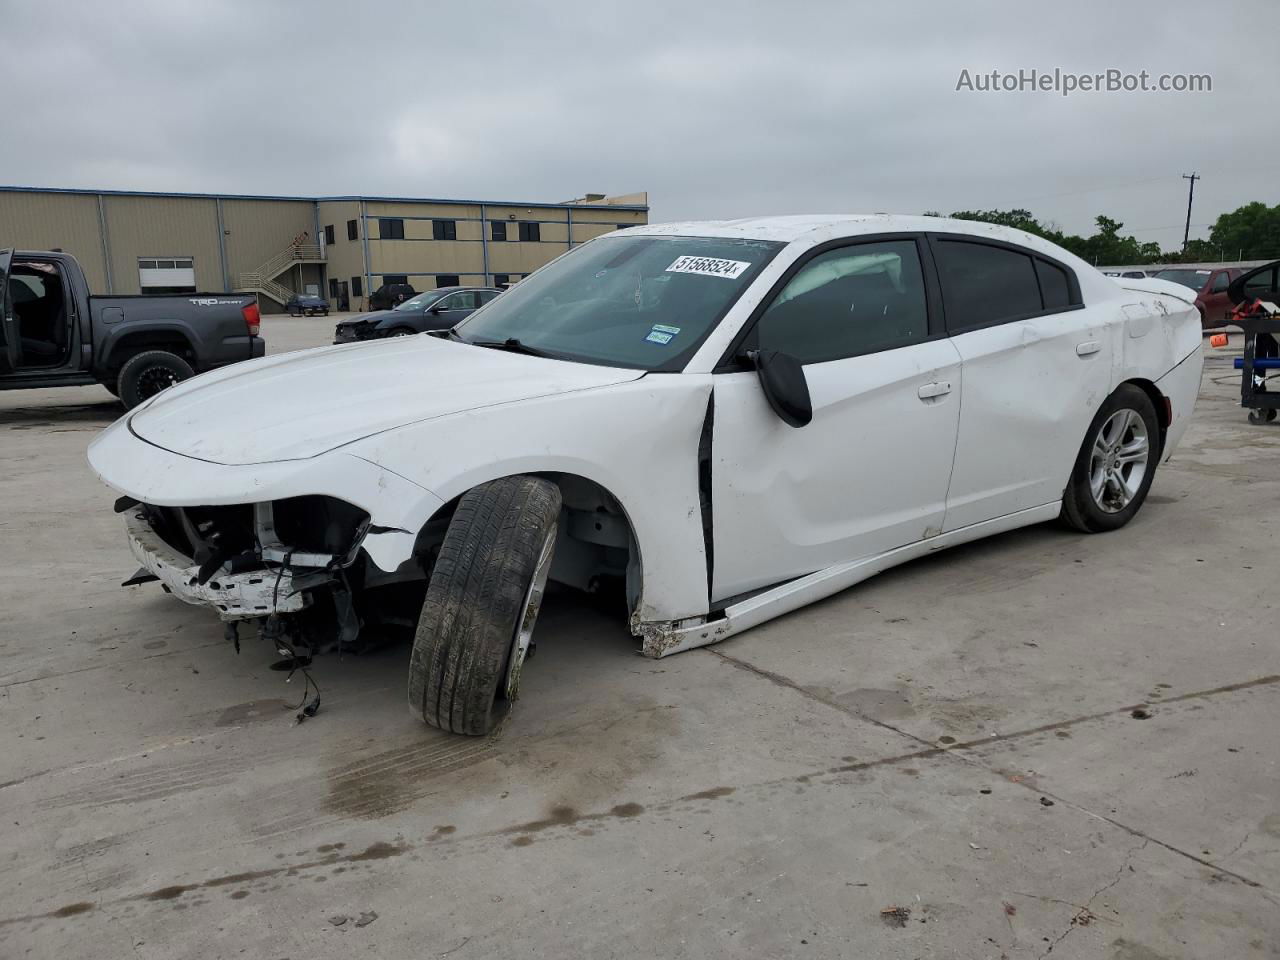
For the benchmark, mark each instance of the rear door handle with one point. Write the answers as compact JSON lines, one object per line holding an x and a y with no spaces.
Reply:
{"x":937,"y":388}
{"x":1087,"y":348}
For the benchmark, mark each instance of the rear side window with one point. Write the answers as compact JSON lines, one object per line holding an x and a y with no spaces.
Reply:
{"x":1262,"y":284}
{"x":984,"y":285}
{"x":847,"y":302}
{"x":1055,"y":290}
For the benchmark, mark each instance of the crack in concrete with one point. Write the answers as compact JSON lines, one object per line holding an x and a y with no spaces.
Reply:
{"x":1087,"y":909}
{"x":1237,"y":847}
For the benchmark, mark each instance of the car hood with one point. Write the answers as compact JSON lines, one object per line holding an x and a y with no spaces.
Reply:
{"x":299,"y":405}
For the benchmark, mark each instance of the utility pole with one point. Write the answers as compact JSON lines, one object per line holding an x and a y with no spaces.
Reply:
{"x":1191,"y":192}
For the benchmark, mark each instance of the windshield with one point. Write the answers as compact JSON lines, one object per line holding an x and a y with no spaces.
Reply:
{"x":644,"y":302}
{"x":421,"y":301}
{"x":1195,"y":279}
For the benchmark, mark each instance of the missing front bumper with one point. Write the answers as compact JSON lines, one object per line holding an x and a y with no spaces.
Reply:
{"x":237,"y":596}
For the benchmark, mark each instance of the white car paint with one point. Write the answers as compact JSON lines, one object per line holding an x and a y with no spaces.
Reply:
{"x":324,"y":398}
{"x":910,"y":450}
{"x":867,"y":475}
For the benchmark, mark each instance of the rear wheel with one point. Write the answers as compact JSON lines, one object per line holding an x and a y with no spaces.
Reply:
{"x":146,"y":374}
{"x":1116,"y":463}
{"x":482,"y":603}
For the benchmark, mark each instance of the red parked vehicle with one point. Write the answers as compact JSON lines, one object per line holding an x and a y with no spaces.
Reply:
{"x":1210,"y":285}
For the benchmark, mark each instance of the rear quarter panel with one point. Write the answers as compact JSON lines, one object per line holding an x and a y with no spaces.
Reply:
{"x":1160,"y":333}
{"x":212,"y":325}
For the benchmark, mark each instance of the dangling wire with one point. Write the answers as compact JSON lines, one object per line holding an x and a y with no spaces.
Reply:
{"x":305,"y":709}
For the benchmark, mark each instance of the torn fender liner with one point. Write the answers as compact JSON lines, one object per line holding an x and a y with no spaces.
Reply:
{"x":141,"y":575}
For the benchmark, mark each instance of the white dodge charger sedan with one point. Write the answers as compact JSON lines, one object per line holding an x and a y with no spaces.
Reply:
{"x":726,"y":420}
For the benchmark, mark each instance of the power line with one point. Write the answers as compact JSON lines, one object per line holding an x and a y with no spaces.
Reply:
{"x":1116,"y":186}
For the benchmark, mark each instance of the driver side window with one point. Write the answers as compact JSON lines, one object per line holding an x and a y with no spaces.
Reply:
{"x":849,"y":301}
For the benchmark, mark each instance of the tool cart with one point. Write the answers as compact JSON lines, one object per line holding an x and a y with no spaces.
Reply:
{"x":1256,"y":296}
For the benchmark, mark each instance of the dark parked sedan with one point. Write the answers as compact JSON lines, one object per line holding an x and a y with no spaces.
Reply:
{"x":433,"y":310}
{"x":301,"y":303}
{"x":390,"y":295}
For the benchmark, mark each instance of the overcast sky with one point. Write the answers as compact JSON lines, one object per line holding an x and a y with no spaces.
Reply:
{"x":716,"y":109}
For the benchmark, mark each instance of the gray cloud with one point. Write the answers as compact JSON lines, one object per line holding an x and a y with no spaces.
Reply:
{"x":718,"y":109}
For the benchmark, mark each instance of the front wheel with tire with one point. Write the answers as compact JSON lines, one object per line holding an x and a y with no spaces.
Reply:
{"x":401,"y":332}
{"x":482,"y":603}
{"x":146,"y":374}
{"x":1116,"y":463}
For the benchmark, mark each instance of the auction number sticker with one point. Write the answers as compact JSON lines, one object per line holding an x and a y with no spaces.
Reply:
{"x":661,"y":333}
{"x":709,"y":267}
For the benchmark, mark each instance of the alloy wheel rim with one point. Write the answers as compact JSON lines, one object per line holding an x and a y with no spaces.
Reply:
{"x":1119,"y":459}
{"x":154,"y":379}
{"x":529,"y":616}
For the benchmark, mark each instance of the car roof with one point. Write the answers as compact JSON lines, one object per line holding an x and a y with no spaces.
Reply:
{"x":805,"y":226}
{"x":452,"y":289}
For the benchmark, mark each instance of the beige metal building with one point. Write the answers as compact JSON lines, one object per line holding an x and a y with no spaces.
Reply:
{"x":341,"y":248}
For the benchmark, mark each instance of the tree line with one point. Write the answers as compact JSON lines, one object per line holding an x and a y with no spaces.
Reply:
{"x":1250,"y":232}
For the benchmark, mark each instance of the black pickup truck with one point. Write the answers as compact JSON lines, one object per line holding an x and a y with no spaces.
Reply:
{"x":54,"y":334}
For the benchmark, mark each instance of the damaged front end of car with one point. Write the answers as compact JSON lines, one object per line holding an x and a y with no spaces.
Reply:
{"x":274,"y":561}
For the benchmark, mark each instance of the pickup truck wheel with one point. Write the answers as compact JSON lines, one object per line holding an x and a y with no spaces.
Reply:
{"x":1116,"y":463}
{"x":482,"y":604}
{"x":146,"y":374}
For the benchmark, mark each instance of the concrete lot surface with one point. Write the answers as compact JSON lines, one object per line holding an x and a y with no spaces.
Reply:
{"x":1041,"y":744}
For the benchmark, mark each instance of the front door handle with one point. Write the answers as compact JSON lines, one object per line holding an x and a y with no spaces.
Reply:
{"x":937,"y":388}
{"x":1087,"y":348}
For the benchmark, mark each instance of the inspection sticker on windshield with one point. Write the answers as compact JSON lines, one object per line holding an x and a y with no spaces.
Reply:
{"x":709,"y":267}
{"x":661,"y":333}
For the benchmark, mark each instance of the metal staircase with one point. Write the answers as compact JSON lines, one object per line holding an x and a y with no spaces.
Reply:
{"x":263,"y":280}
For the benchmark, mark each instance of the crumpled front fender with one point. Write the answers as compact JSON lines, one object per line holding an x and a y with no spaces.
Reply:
{"x":146,"y":472}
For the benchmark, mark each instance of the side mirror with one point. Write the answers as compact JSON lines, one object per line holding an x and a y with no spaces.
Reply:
{"x":435,"y":311}
{"x":782,"y":379}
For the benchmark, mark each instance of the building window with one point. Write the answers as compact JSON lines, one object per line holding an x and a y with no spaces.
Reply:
{"x":328,"y":234}
{"x":166,"y":274}
{"x":530,"y":231}
{"x":390,"y":229}
{"x":357,"y":284}
{"x":501,"y":279}
{"x":446,"y":279}
{"x":444,"y":229}
{"x":497,"y":230}
{"x":333,"y":286}
{"x":393,"y":278}
{"x":353,"y":232}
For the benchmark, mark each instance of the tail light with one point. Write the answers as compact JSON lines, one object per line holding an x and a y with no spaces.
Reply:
{"x":252,"y":319}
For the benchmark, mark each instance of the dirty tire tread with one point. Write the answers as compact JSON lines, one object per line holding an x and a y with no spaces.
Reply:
{"x":126,"y":380}
{"x":475,"y":596}
{"x":1079,"y":512}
